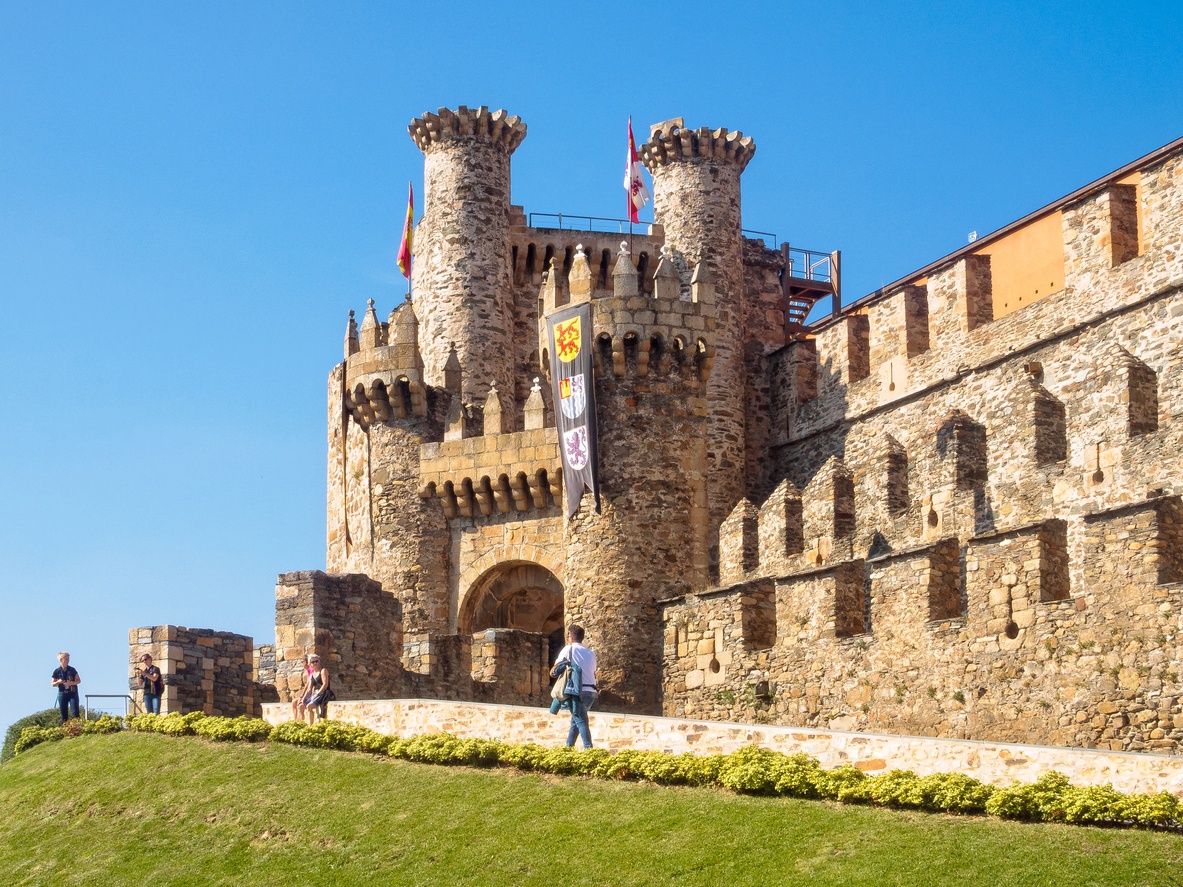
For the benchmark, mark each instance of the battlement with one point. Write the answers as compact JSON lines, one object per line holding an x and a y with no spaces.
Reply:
{"x":535,"y":249}
{"x":514,"y":472}
{"x":383,"y":368}
{"x":445,"y":125}
{"x":1065,"y":267}
{"x":670,"y":332}
{"x":670,"y":143}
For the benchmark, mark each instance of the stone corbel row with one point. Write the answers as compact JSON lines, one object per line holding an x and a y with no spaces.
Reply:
{"x":464,"y":498}
{"x":677,"y":144}
{"x":498,"y":126}
{"x":376,"y":403}
{"x":678,"y":356}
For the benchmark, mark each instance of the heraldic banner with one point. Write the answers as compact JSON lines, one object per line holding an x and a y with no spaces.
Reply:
{"x":570,"y":335}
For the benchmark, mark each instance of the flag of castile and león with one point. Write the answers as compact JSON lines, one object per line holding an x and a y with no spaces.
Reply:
{"x":634,"y":181}
{"x":569,"y":332}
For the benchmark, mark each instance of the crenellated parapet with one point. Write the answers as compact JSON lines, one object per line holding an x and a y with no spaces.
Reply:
{"x":498,"y":127}
{"x":517,"y":472}
{"x":383,"y":367}
{"x":670,"y":143}
{"x":666,"y":334}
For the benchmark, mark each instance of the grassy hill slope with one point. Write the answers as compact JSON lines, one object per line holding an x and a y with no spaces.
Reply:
{"x":135,"y":809}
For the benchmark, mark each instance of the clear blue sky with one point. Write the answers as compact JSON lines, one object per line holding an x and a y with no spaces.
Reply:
{"x":192,"y":197}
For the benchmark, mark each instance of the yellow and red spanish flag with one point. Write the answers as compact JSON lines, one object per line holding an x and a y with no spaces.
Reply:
{"x":634,"y":182}
{"x":404,"y":250}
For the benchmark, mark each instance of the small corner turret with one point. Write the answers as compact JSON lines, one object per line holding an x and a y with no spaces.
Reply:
{"x":383,"y":367}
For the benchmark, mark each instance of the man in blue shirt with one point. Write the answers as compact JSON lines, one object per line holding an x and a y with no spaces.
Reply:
{"x":66,"y":679}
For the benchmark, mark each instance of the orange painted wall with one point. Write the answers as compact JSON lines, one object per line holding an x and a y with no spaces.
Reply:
{"x":1027,"y":264}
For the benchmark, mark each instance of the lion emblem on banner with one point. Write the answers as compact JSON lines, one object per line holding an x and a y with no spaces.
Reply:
{"x":575,"y":446}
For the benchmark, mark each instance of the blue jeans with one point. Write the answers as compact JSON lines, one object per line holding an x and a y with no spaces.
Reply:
{"x":68,"y":702}
{"x":579,"y":726}
{"x":151,"y":703}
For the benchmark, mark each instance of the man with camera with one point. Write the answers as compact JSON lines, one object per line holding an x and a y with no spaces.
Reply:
{"x":152,"y":683}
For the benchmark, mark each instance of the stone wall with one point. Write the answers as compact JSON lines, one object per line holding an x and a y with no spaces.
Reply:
{"x":990,"y":639}
{"x":203,"y":670}
{"x":356,"y":629}
{"x":991,"y":762}
{"x":350,"y":622}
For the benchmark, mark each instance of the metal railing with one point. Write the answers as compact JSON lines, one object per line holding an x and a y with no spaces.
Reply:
{"x":129,"y":704}
{"x":805,"y":264}
{"x":609,"y":226}
{"x":747,"y":232}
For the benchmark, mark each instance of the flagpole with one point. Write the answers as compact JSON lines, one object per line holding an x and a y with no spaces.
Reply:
{"x":629,"y":191}
{"x":411,"y":253}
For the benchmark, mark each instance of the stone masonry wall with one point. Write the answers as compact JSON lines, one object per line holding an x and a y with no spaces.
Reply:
{"x":356,"y":628}
{"x":992,"y":762}
{"x":350,"y":622}
{"x":203,"y":670}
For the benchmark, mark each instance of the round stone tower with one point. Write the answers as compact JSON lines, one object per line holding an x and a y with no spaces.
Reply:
{"x":461,"y":273}
{"x":696,"y":195}
{"x":649,"y":543}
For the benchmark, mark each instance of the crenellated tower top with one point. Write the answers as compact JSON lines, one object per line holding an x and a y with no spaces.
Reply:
{"x":496,"y":126}
{"x":670,"y":143}
{"x":461,"y":273}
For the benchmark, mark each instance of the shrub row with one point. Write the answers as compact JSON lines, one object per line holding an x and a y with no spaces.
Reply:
{"x":750,"y":770}
{"x":35,"y":735}
{"x":47,"y":718}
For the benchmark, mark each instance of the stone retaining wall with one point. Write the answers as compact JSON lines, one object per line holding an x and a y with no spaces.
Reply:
{"x":994,"y":763}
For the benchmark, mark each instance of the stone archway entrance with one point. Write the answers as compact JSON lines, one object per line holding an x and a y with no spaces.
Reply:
{"x":518,"y":594}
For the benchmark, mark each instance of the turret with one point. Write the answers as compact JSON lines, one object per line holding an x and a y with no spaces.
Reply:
{"x":461,"y":273}
{"x":380,"y":413}
{"x":696,"y":198}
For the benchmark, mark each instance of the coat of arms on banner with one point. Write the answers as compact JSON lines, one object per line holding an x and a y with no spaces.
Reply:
{"x":572,"y":397}
{"x":567,"y":339}
{"x":575,"y":446}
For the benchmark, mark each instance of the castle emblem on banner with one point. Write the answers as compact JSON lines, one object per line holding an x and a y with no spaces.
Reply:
{"x":572,"y":397}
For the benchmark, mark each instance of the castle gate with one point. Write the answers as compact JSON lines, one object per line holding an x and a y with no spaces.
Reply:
{"x":515,"y":594}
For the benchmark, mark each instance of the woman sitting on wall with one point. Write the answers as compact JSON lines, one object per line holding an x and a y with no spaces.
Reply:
{"x":300,"y":699}
{"x":318,"y":691}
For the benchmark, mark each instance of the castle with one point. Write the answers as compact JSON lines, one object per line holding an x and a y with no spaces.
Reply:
{"x":950,"y":508}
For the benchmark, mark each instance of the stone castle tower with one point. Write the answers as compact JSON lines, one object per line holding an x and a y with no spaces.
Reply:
{"x":444,"y":470}
{"x":951,"y":507}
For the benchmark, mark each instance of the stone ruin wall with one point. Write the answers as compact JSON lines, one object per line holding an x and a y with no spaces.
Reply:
{"x":356,"y":628}
{"x":978,"y":535}
{"x":210,"y":671}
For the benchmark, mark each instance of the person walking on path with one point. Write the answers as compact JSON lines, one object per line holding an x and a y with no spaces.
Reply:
{"x":152,"y":683}
{"x":66,"y":679}
{"x":580,"y":664}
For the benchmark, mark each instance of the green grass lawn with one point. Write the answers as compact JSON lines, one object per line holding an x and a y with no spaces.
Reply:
{"x":148,"y":809}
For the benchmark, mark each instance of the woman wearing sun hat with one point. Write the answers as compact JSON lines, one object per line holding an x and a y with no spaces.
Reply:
{"x":318,"y":690}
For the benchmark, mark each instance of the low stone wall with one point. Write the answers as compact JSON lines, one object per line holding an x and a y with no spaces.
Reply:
{"x":203,"y":670}
{"x":992,"y":762}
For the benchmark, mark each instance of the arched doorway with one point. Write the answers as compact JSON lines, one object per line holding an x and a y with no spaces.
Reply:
{"x":516,"y":594}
